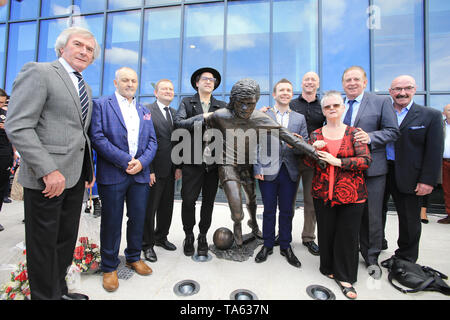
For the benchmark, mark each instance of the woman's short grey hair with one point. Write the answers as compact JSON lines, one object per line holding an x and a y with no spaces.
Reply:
{"x":332,"y":93}
{"x":64,"y":36}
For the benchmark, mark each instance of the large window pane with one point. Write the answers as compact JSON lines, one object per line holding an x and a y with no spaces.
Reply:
{"x":2,"y":53}
{"x":56,"y":7}
{"x":161,"y":47}
{"x":203,"y":41}
{"x":21,"y":49}
{"x":92,"y":74}
{"x":294,"y":43}
{"x":25,"y":9}
{"x":86,"y":6}
{"x":48,"y":32}
{"x":439,"y":44}
{"x":345,"y":40}
{"x":122,"y":45}
{"x":439,"y":101}
{"x":119,"y":4}
{"x":248,"y":41}
{"x":3,"y":13}
{"x":398,"y":42}
{"x":152,"y":2}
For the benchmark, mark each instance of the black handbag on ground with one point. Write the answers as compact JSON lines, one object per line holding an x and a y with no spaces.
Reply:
{"x":414,"y":276}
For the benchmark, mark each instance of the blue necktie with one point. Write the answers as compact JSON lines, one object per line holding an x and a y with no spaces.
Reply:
{"x":84,"y":99}
{"x":348,"y":115}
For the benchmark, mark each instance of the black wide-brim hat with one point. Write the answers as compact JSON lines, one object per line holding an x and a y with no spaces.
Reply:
{"x":198,"y":72}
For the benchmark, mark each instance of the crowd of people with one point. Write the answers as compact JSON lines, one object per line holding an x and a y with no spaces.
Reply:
{"x":351,"y":153}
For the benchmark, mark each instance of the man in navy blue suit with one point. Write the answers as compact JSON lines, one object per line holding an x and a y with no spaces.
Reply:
{"x":122,"y":133}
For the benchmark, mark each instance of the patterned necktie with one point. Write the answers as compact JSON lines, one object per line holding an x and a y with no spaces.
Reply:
{"x":168,"y":118}
{"x":84,"y":99}
{"x":348,"y":115}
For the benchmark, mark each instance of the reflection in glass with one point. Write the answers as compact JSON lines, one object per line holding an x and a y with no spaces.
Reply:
{"x":161,"y":47}
{"x":2,"y":52}
{"x":153,"y":2}
{"x":248,"y":41}
{"x":398,"y":42}
{"x":48,"y":32}
{"x":439,"y":23}
{"x":122,"y":45}
{"x":94,"y":23}
{"x":439,"y":101}
{"x":294,"y":43}
{"x":86,"y":6}
{"x":119,"y":4}
{"x":203,"y":41}
{"x":21,"y":49}
{"x":25,"y":9}
{"x":345,"y":40}
{"x":3,"y":13}
{"x":51,"y":8}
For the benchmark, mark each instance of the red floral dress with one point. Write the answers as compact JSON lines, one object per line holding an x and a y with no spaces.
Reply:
{"x":349,"y":183}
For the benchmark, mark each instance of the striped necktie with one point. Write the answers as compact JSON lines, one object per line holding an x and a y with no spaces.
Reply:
{"x":84,"y":99}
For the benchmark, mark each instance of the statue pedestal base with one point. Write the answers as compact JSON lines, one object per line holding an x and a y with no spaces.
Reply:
{"x":239,"y":253}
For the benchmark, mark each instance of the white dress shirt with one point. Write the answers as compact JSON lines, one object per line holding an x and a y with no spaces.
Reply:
{"x":447,"y":140}
{"x":71,"y":71}
{"x":161,"y":108}
{"x":132,"y":122}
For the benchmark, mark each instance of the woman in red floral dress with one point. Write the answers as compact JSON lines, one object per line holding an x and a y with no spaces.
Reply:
{"x":339,"y":192}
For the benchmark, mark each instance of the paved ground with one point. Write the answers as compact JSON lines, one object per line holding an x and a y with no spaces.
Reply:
{"x":273,"y":280}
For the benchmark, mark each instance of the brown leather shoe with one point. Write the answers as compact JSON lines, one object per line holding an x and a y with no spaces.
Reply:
{"x":140,"y":267}
{"x":110,"y":281}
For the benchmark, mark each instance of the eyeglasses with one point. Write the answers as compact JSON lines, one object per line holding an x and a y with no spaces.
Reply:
{"x":208,"y":79}
{"x":398,"y":89}
{"x":334,"y":106}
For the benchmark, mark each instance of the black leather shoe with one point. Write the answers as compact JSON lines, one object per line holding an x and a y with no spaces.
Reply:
{"x":202,"y":246}
{"x":7,"y":200}
{"x":374,"y":271}
{"x":290,"y":257}
{"x":166,"y":245}
{"x":262,"y":254}
{"x":1,"y":228}
{"x":150,"y":255}
{"x":188,"y":245}
{"x":74,"y":296}
{"x":313,"y":248}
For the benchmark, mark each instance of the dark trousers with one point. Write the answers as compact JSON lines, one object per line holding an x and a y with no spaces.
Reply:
{"x":279,"y":193}
{"x":113,"y":197}
{"x":408,"y":212}
{"x":159,"y":206}
{"x":51,"y":230}
{"x":196,"y":179}
{"x":5,"y":165}
{"x":371,"y":233}
{"x":338,"y":232}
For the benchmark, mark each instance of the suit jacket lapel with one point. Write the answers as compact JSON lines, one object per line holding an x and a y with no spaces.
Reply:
{"x":115,"y":106}
{"x":410,"y":116}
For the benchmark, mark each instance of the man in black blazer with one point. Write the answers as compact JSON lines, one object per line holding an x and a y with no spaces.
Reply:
{"x":163,"y":174}
{"x":197,"y":176}
{"x":415,"y":161}
{"x":375,"y":116}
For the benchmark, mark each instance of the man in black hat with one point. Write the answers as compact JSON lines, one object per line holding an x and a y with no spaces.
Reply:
{"x":197,"y":176}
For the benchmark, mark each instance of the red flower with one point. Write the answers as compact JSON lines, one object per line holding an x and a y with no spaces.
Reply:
{"x":21,"y":276}
{"x":94,"y":265}
{"x":12,"y":296}
{"x":79,"y":253}
{"x":8,"y":290}
{"x":88,"y":258}
{"x":84,"y":240}
{"x":93,"y":246}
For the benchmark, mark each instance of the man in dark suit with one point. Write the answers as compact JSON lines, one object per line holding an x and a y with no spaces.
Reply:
{"x":197,"y":176}
{"x":375,"y":116}
{"x":163,"y":174}
{"x":415,"y":161}
{"x":48,"y":119}
{"x":122,"y":133}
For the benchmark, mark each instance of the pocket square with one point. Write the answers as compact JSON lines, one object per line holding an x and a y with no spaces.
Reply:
{"x":147,"y":116}
{"x":416,"y":127}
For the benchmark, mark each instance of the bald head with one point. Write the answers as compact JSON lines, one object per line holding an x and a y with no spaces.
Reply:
{"x":446,"y":113}
{"x":310,"y":83}
{"x":126,"y":82}
{"x":402,"y":91}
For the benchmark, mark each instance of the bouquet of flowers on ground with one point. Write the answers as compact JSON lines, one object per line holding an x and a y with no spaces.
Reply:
{"x":18,"y":287}
{"x":87,"y":255}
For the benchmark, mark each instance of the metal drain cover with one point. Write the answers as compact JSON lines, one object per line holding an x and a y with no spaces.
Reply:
{"x":186,"y":288}
{"x":123,"y":272}
{"x":320,"y":293}
{"x":243,"y":294}
{"x":198,"y":258}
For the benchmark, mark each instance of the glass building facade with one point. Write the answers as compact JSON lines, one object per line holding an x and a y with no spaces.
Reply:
{"x":263,"y":39}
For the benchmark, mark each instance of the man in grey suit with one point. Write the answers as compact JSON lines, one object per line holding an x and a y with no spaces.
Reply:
{"x":48,"y":120}
{"x":375,"y":116}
